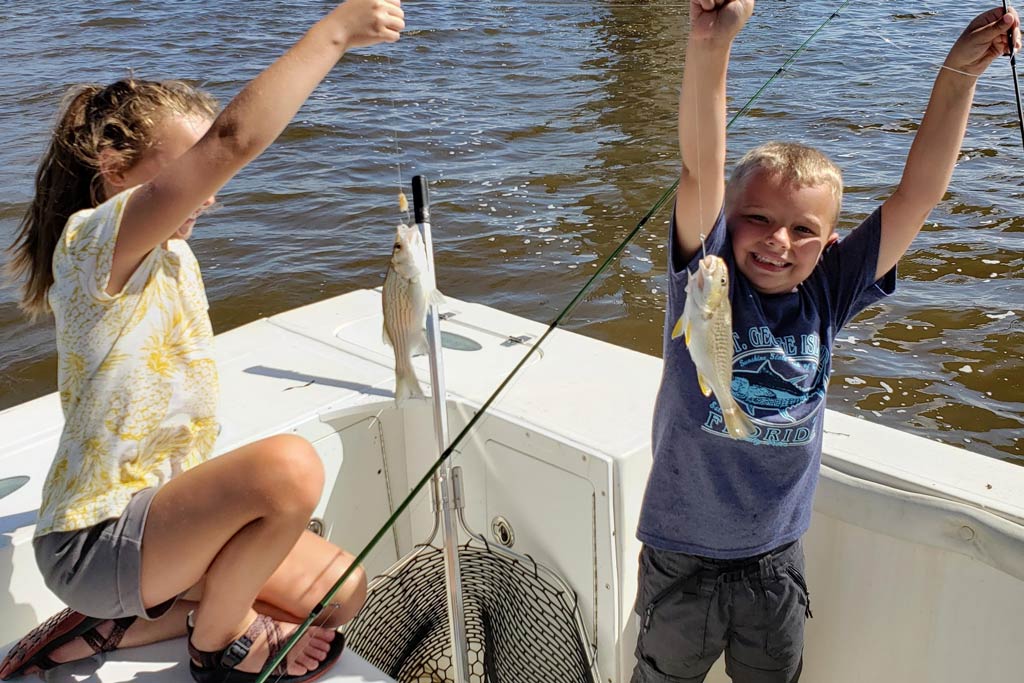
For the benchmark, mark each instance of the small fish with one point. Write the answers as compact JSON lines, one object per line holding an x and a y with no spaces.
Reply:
{"x":409,"y":289}
{"x":706,"y":323}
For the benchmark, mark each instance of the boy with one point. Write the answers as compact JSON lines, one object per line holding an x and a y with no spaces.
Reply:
{"x":722,"y":565}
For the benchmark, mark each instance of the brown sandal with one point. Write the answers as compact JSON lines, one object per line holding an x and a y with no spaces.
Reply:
{"x":219,"y":666}
{"x":34,"y":649}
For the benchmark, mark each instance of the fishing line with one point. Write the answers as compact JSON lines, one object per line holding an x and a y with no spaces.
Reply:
{"x":700,"y":189}
{"x":482,"y":411}
{"x":910,"y":53}
{"x":1013,"y":68}
{"x":403,"y":201}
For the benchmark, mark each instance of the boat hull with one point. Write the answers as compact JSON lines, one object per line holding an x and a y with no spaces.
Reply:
{"x":915,"y":557}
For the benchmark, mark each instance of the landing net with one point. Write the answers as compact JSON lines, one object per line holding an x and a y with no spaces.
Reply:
{"x":522,"y":624}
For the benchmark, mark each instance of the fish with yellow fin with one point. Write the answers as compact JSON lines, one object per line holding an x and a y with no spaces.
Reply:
{"x":706,"y":324}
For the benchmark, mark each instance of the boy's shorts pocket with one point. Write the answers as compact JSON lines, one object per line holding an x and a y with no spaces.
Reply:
{"x":673,"y":615}
{"x":789,"y":607}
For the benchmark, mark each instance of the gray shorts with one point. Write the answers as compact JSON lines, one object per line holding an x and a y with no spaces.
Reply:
{"x":97,"y":571}
{"x":692,"y":609}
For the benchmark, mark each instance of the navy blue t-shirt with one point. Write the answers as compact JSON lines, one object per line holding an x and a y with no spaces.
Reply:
{"x":709,"y":494}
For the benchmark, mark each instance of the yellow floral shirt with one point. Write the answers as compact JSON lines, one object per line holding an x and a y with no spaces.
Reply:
{"x":136,"y":375}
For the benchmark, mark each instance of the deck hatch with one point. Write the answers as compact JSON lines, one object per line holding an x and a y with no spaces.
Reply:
{"x":12,"y":484}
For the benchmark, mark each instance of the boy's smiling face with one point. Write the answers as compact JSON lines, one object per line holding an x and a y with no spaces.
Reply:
{"x":779,"y":230}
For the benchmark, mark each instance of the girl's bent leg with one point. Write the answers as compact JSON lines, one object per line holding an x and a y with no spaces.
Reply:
{"x":232,"y":522}
{"x":312,"y":567}
{"x":310,"y":570}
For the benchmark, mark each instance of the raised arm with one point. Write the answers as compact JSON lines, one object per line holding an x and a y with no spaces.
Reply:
{"x":713,"y":26}
{"x":247,"y":126}
{"x":935,"y":148}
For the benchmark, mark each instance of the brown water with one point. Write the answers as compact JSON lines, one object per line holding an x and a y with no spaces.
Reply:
{"x":548,"y":130}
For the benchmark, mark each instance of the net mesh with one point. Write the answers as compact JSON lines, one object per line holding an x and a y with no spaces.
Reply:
{"x":520,"y":627}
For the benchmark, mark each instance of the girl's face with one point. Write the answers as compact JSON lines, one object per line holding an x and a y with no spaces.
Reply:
{"x":172,"y":139}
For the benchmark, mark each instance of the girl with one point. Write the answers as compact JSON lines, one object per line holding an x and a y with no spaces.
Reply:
{"x":136,"y":520}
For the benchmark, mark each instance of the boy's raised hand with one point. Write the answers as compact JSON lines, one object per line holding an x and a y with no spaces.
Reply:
{"x":936,"y":146}
{"x":719,"y":20}
{"x":368,"y":22}
{"x":984,"y":40}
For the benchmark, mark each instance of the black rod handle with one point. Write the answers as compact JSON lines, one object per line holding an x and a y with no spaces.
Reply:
{"x":421,"y":199}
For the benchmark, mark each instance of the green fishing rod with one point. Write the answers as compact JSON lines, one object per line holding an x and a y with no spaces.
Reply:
{"x":426,"y":478}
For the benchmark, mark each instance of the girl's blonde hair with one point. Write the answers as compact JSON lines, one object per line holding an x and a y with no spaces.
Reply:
{"x":119,"y":119}
{"x":798,"y":164}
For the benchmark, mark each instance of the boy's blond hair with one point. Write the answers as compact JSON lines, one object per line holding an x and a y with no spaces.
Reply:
{"x":798,"y":164}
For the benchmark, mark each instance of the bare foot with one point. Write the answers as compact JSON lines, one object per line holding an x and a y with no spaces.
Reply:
{"x":312,"y":648}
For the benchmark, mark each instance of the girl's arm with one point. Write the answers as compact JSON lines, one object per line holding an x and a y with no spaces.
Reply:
{"x":937,"y":143}
{"x":249,"y":124}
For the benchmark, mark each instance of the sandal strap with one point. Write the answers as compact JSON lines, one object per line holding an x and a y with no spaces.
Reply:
{"x":44,"y":663}
{"x":237,"y":650}
{"x":275,"y":641}
{"x":34,"y":648}
{"x":100,"y":644}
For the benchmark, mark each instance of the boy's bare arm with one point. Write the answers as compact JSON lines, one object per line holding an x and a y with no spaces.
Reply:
{"x":937,"y":143}
{"x":713,"y":26}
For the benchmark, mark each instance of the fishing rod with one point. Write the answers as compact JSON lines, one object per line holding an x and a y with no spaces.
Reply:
{"x":428,"y":476}
{"x":1013,"y":68}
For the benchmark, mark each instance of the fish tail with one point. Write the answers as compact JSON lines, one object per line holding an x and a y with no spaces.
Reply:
{"x":737,"y":422}
{"x":407,"y":385}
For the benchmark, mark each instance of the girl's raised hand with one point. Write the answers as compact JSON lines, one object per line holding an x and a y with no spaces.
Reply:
{"x":985,"y":39}
{"x":368,"y":22}
{"x":719,"y":20}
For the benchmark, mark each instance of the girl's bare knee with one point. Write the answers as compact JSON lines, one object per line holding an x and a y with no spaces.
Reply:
{"x":290,"y":472}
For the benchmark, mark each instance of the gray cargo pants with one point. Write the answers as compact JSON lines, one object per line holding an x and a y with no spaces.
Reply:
{"x":693,"y":608}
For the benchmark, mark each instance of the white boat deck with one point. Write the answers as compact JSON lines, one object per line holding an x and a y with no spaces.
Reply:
{"x":915,"y":553}
{"x":167,"y":662}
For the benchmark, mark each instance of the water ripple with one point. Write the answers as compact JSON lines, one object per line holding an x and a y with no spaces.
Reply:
{"x":548,"y":131}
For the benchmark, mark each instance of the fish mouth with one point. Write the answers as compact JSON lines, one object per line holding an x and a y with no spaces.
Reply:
{"x":768,"y":263}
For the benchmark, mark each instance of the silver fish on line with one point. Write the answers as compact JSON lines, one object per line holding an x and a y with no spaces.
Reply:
{"x":706,"y":324}
{"x":409,"y":289}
